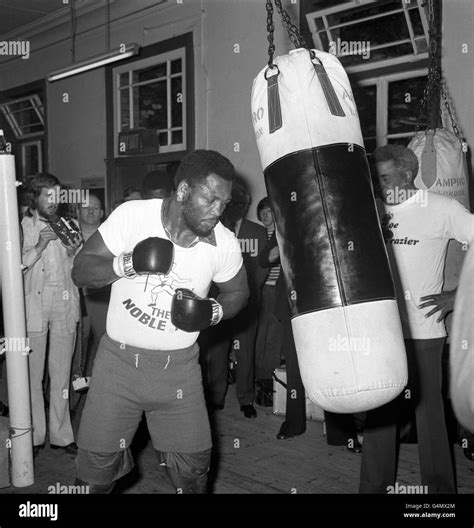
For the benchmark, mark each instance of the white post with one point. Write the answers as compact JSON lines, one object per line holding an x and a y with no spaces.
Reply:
{"x":16,"y":344}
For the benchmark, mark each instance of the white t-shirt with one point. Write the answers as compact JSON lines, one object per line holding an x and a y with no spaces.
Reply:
{"x":416,"y":234}
{"x":139,"y":310}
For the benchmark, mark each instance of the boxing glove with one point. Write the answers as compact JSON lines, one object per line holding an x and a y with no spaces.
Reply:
{"x":192,"y":313}
{"x":153,"y":255}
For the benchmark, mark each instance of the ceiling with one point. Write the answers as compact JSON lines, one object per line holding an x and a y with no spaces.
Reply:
{"x":17,"y":13}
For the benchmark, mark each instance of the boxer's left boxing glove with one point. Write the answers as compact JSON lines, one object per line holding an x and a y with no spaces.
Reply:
{"x":153,"y":255}
{"x":192,"y":313}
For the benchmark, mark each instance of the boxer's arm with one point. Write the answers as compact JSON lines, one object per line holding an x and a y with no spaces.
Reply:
{"x":93,"y":265}
{"x":233,"y":294}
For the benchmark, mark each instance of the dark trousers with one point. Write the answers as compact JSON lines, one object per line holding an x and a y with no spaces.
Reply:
{"x":239,"y":334}
{"x":378,"y":469}
{"x":268,"y":346}
{"x":340,"y":429}
{"x":295,"y":420}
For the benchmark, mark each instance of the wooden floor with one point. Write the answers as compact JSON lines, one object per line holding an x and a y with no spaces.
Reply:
{"x":248,"y":459}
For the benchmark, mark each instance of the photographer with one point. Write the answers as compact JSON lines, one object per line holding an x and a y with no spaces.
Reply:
{"x":52,"y":305}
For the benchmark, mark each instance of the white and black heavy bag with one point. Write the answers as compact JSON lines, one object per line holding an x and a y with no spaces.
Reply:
{"x":345,"y":318}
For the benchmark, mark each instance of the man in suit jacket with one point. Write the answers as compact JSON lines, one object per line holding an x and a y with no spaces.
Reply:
{"x":242,"y":329}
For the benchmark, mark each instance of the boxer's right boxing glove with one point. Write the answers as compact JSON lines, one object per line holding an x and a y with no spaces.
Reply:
{"x":153,"y":255}
{"x":192,"y":313}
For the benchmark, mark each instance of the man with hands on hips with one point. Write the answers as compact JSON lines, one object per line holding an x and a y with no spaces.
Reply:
{"x":161,"y":256}
{"x":417,"y":226}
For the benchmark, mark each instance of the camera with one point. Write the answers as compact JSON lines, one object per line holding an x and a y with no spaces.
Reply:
{"x":66,"y":230}
{"x":81,"y":383}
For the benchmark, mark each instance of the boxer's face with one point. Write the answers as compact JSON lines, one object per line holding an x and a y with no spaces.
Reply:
{"x":47,"y":202}
{"x":205,"y":203}
{"x":392,"y":180}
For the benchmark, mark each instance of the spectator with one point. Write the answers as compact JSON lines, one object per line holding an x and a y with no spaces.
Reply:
{"x":132,"y":193}
{"x":241,"y":330}
{"x":157,"y":184}
{"x":52,"y":306}
{"x":95,"y":301}
{"x":269,"y":335}
{"x":417,"y":227}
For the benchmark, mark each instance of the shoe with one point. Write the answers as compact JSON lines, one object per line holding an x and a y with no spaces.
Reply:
{"x":356,"y":448}
{"x":284,"y":436}
{"x":36,"y":450}
{"x":249,"y":411}
{"x":70,"y":449}
{"x":215,"y":407}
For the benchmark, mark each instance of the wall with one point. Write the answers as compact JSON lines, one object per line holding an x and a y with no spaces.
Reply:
{"x":236,"y":50}
{"x":223,"y":78}
{"x":76,"y":127}
{"x":458,"y":65}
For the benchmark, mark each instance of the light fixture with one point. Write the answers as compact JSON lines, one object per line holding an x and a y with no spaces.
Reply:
{"x":127,"y":50}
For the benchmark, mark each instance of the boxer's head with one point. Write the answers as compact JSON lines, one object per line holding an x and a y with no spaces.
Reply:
{"x":45,"y":190}
{"x":203,"y":184}
{"x":397,"y":167}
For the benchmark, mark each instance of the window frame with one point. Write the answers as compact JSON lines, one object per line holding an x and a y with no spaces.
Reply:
{"x":23,"y":145}
{"x":381,"y":107}
{"x":36,"y":105}
{"x":324,"y":13}
{"x":177,"y":53}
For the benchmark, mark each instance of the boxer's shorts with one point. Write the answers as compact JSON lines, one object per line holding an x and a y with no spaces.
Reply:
{"x":165,"y":385}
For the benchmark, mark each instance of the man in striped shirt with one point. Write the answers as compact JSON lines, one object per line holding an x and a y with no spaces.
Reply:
{"x":268,"y":344}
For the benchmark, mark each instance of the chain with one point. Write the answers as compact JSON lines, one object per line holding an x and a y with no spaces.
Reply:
{"x":450,"y":113}
{"x":270,"y":30}
{"x":294,"y":34}
{"x":292,"y":30}
{"x":433,"y":83}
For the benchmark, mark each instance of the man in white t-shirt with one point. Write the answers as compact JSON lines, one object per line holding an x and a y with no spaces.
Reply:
{"x":161,"y":256}
{"x":417,"y":226}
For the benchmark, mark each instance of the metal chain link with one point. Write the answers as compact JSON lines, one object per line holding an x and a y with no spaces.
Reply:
{"x":435,"y":83}
{"x":294,"y":34}
{"x":456,"y":130}
{"x":270,"y":31}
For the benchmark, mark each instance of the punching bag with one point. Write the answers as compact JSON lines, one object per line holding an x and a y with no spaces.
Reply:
{"x":443,"y":170}
{"x":345,"y":317}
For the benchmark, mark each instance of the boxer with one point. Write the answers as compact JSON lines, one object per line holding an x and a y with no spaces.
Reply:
{"x":161,"y":256}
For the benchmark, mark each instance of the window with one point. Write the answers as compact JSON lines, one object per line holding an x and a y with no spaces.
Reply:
{"x":31,"y":157}
{"x":388,"y":107}
{"x":366,"y":34}
{"x":150,"y":95}
{"x":25,"y":116}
